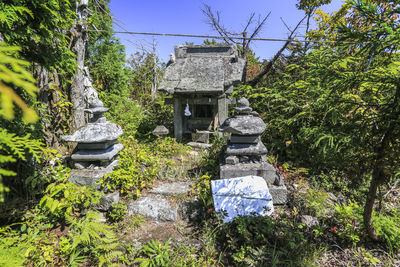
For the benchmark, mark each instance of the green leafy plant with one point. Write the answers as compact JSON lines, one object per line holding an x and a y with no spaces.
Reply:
{"x":117,"y":212}
{"x":64,"y":199}
{"x":349,"y":218}
{"x":317,"y":202}
{"x":137,"y":168}
{"x":388,"y":226}
{"x":154,"y":254}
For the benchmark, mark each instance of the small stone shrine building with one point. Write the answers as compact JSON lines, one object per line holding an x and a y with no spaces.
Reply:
{"x":200,"y":78}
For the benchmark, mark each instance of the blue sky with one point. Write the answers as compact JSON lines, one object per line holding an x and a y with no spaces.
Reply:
{"x":185,"y":17}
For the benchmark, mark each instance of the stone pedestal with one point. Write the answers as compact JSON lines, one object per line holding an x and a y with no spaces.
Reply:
{"x":246,"y":155}
{"x":262,"y":169}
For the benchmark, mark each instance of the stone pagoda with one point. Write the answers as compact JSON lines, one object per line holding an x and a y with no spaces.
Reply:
{"x":97,"y":145}
{"x":246,"y":155}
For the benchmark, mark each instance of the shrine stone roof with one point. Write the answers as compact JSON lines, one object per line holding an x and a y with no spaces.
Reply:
{"x":203,"y":69}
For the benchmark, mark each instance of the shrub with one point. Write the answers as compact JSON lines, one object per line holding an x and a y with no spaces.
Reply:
{"x":137,"y":168}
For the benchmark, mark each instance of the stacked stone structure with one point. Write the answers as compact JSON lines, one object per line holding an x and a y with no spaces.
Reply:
{"x":97,"y":145}
{"x":246,"y":154}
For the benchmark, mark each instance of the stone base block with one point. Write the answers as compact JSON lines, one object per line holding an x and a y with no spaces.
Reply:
{"x":263,"y":169}
{"x":279,"y":194}
{"x":201,"y":137}
{"x":89,"y":177}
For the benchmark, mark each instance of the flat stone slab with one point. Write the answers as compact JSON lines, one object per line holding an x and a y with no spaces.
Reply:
{"x":263,"y":169}
{"x":96,"y":110}
{"x":244,"y":139}
{"x":155,"y":208}
{"x":95,"y":133}
{"x":199,"y":145}
{"x":244,"y":125}
{"x":279,"y":194}
{"x":97,"y":155}
{"x":247,"y":196}
{"x":246,"y":149}
{"x":102,"y":145}
{"x":174,"y":188}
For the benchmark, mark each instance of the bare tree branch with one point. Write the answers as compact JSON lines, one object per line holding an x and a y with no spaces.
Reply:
{"x":270,"y":64}
{"x":214,"y":22}
{"x":213,"y":19}
{"x":284,"y":23}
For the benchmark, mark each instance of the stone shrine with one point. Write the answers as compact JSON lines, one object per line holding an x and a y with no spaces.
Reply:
{"x":200,"y":79}
{"x":97,"y":145}
{"x":246,"y":155}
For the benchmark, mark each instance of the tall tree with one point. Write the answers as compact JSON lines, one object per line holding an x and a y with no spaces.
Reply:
{"x":106,"y":56}
{"x":338,"y":105}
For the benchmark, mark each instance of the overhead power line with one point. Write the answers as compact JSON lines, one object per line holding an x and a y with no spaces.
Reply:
{"x":219,"y":37}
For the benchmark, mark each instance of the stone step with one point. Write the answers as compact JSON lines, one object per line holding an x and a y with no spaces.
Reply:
{"x":159,"y":203}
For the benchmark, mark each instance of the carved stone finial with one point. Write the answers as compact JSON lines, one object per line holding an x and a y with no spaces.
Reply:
{"x":243,"y":106}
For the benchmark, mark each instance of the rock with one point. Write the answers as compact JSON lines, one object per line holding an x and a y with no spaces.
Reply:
{"x":279,"y":194}
{"x":263,"y":169}
{"x":86,"y":177}
{"x":106,"y":201}
{"x":174,"y":188}
{"x":244,"y":139}
{"x":160,"y":130}
{"x":97,"y":155}
{"x":247,"y":195}
{"x":156,"y":208}
{"x":309,"y":221}
{"x":199,"y":145}
{"x":279,"y":180}
{"x":232,"y":160}
{"x":190,"y":210}
{"x":244,"y":125}
{"x":95,"y":133}
{"x":246,"y":149}
{"x":102,"y":218}
{"x":201,"y":137}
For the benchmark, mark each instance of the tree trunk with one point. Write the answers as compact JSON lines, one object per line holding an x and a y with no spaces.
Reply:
{"x":154,"y":82}
{"x":77,"y":88}
{"x":369,"y":206}
{"x":378,"y":178}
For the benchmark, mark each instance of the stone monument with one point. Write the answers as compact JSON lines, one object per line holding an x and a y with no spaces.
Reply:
{"x":246,"y":154}
{"x":97,"y":145}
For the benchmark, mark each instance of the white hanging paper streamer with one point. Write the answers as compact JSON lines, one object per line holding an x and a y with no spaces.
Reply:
{"x":187,"y":111}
